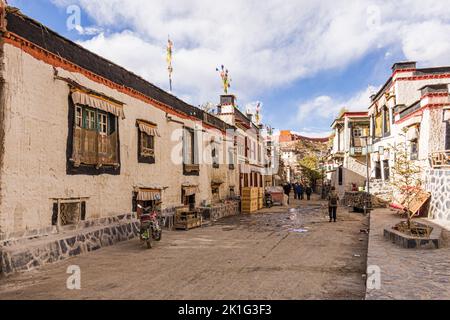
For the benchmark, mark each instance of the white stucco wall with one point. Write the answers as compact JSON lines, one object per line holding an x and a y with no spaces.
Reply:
{"x":34,"y":168}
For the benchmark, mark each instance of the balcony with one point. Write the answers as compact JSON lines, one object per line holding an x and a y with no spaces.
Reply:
{"x":440,"y":159}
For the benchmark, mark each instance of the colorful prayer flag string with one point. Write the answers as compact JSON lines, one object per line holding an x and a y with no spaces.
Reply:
{"x":226,"y":80}
{"x":169,"y":61}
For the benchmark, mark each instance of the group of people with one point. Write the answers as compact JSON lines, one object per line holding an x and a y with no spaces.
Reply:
{"x":299,"y":190}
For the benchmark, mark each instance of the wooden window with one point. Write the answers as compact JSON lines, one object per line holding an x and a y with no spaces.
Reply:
{"x":147,"y":133}
{"x":103,"y":123}
{"x":386,"y":170}
{"x":357,"y":132}
{"x":246,"y":147}
{"x":379,"y":125}
{"x":231,"y":158}
{"x":414,"y":154}
{"x":215,"y":155}
{"x":191,"y":167}
{"x":78,"y":117}
{"x":378,"y":170}
{"x":95,"y":138}
{"x":147,"y":145}
{"x":68,"y":212}
{"x":386,"y":122}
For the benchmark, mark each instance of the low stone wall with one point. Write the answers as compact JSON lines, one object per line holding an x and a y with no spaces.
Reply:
{"x":437,"y":182}
{"x":382,"y":191}
{"x":219,"y":211}
{"x":410,"y":242}
{"x":25,"y":254}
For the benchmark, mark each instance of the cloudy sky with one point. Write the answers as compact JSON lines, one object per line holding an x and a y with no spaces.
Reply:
{"x":303,"y":60}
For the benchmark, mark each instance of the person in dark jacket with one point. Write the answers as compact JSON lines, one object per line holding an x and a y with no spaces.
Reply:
{"x":295,"y":187}
{"x":333,"y":200}
{"x":301,"y":191}
{"x":287,"y":190}
{"x":308,"y":192}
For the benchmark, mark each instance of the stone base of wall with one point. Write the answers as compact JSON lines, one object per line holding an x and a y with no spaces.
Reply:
{"x":18,"y":255}
{"x":437,"y":182}
{"x":219,"y":211}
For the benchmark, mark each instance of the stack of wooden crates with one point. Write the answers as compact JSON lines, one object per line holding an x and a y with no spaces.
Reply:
{"x":250,"y":200}
{"x":260,"y":198}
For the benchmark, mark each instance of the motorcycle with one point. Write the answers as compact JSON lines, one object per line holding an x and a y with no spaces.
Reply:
{"x":150,"y":227}
{"x":268,"y":200}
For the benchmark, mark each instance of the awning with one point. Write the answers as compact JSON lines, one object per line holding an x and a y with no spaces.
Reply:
{"x":149,"y":195}
{"x":189,"y":190}
{"x":96,"y":102}
{"x":148,"y":128}
{"x":412,"y":134}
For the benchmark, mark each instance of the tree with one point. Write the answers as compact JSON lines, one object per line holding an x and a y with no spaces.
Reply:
{"x":310,"y":168}
{"x":208,"y":107}
{"x":407,"y":177}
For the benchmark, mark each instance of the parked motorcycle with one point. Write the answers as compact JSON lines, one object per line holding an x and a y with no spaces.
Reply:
{"x":268,"y":200}
{"x":150,"y":227}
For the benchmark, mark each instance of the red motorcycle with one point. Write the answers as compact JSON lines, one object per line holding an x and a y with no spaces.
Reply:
{"x":150,"y":227}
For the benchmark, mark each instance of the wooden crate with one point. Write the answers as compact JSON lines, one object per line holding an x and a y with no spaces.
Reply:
{"x":249,"y":193}
{"x":249,"y":206}
{"x":187,"y":220}
{"x":261,"y":192}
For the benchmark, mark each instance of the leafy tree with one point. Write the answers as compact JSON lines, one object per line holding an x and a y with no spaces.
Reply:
{"x":310,"y":168}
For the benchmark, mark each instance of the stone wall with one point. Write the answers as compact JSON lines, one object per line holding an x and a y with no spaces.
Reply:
{"x":26,"y":254}
{"x":381,"y":189}
{"x":437,"y":182}
{"x":218,"y":211}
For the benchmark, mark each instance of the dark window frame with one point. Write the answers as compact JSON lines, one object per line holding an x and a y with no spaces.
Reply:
{"x":191,"y":168}
{"x":88,"y":169}
{"x":142,"y":158}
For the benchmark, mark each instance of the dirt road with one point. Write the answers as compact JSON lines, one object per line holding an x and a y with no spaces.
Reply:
{"x":244,"y":257}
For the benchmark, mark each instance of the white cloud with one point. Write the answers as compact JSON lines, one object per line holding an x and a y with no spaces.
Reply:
{"x":264,"y":45}
{"x":327,"y":108}
{"x":88,"y":31}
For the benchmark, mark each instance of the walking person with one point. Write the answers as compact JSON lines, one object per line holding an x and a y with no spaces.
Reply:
{"x":287,"y":190}
{"x":295,"y":187}
{"x":333,"y":199}
{"x":301,"y":191}
{"x":308,"y":192}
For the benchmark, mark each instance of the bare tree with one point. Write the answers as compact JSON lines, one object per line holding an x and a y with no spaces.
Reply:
{"x":407,"y":177}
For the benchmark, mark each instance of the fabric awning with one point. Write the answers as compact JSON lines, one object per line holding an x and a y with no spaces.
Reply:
{"x":149,"y":129}
{"x":190,"y":190}
{"x":96,"y":102}
{"x":149,"y":195}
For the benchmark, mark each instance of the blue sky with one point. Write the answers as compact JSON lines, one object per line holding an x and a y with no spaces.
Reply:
{"x":303,"y":60}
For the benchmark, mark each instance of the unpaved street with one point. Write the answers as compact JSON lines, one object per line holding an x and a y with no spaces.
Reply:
{"x":244,"y":257}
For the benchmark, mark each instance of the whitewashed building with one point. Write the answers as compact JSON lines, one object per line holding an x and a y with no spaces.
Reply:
{"x":83,"y":141}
